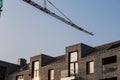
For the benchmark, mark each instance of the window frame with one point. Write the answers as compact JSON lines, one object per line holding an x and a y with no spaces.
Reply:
{"x":51,"y":74}
{"x":75,"y":64}
{"x":106,"y":60}
{"x":35,"y":71}
{"x":88,"y":67}
{"x":109,"y":63}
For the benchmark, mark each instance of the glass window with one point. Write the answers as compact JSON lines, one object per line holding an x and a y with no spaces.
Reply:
{"x":36,"y":70}
{"x":51,"y":74}
{"x":76,"y":68}
{"x":73,"y":63}
{"x":36,"y":65}
{"x":20,"y":77}
{"x":90,"y":67}
{"x":72,"y":69}
{"x":73,"y":57}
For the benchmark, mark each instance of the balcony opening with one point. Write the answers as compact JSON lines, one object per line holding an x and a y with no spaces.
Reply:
{"x":109,"y":64}
{"x":109,"y":60}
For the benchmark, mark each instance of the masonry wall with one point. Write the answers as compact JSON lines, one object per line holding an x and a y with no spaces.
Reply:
{"x":56,"y":67}
{"x":26,"y":74}
{"x":85,"y":54}
{"x":97,"y":57}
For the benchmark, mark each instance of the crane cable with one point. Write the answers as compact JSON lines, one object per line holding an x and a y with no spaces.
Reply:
{"x":59,"y":11}
{"x":69,"y":19}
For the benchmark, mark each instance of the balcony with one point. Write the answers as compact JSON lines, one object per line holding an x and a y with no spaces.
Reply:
{"x":68,"y":78}
{"x":109,"y":67}
{"x":64,"y":76}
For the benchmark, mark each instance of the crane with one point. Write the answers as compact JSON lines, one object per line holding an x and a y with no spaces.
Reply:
{"x":47,"y":11}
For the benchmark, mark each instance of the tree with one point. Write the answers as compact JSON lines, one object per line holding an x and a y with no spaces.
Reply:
{"x":1,"y":4}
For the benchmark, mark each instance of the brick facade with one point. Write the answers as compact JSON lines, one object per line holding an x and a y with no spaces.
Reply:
{"x":106,"y":60}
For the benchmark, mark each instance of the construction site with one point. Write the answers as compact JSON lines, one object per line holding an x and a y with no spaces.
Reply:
{"x":79,"y":61}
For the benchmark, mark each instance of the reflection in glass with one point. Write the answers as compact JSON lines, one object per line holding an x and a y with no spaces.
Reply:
{"x":73,"y":57}
{"x":73,"y":63}
{"x":20,"y":77}
{"x":109,"y":67}
{"x":90,"y":67}
{"x":36,"y":70}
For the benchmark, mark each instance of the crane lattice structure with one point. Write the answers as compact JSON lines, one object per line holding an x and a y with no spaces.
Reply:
{"x":47,"y":11}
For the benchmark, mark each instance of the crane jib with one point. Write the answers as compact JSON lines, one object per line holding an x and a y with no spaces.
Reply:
{"x":67,"y":21}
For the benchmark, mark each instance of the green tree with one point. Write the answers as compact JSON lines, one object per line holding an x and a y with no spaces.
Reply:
{"x":1,"y":4}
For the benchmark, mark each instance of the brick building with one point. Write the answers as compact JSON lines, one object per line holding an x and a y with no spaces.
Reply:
{"x":80,"y":62}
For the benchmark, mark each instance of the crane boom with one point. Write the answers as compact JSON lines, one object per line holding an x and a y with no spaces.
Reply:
{"x":57,"y":16}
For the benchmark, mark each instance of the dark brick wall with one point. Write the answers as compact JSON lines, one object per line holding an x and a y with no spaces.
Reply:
{"x":85,"y":54}
{"x":9,"y":68}
{"x":85,"y":50}
{"x":46,"y":60}
{"x":25,"y":73}
{"x":97,"y":57}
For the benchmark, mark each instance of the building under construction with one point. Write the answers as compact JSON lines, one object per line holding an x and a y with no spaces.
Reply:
{"x":80,"y":62}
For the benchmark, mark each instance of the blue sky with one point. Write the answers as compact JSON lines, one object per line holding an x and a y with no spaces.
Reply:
{"x":26,"y":31}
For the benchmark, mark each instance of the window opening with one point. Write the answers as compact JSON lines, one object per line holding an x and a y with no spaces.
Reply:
{"x":73,"y":64}
{"x":109,"y":64}
{"x":90,"y":67}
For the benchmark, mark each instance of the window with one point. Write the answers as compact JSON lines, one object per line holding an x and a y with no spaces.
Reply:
{"x":109,"y":60}
{"x":73,"y":63}
{"x":20,"y":77}
{"x":51,"y":74}
{"x":90,"y":67}
{"x":35,"y":70}
{"x":73,"y":57}
{"x":109,"y":64}
{"x":114,"y":78}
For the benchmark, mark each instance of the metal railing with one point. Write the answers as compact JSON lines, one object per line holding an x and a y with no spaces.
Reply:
{"x":109,"y":67}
